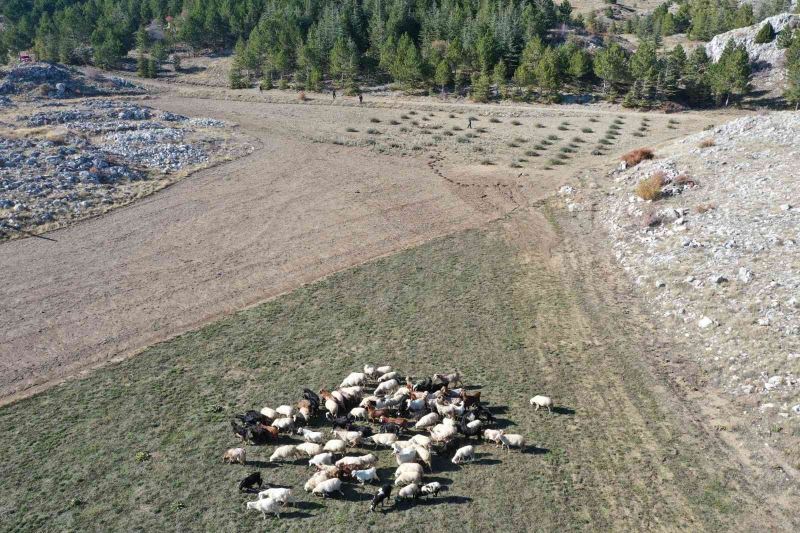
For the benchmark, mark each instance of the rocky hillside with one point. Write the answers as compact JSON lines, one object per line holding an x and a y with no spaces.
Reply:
{"x":767,"y":59}
{"x":718,"y":253}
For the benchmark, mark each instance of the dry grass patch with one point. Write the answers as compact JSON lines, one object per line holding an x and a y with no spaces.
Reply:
{"x":704,"y":208}
{"x":650,"y":187}
{"x":634,"y":157}
{"x":706,"y":143}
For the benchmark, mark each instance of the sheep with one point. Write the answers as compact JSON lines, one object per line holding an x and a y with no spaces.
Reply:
{"x":287,"y":451}
{"x":511,"y":439}
{"x":352,"y":438}
{"x":453,"y":378}
{"x":286,"y":411}
{"x":424,"y":455}
{"x":451,"y":409}
{"x":409,"y":491}
{"x":542,"y":401}
{"x":278,"y":494}
{"x":328,"y":487}
{"x":368,"y":475}
{"x":493,"y":435}
{"x":416,"y":405}
{"x":311,"y":449}
{"x":386,"y":387}
{"x":384,"y":493}
{"x":335,"y":446}
{"x":271,"y":414}
{"x":429,"y":420}
{"x":368,"y":400}
{"x":354,"y":379}
{"x":267,"y":505}
{"x":406,"y":478}
{"x":305,"y":409}
{"x":431,"y":489}
{"x":389,"y":403}
{"x":382,"y":439}
{"x":443,"y":432}
{"x":362,"y":461}
{"x":235,"y":455}
{"x":421,"y":440}
{"x":368,"y":459}
{"x":283,"y":424}
{"x":465,"y":453}
{"x":250,"y":482}
{"x":408,"y":467}
{"x":369,"y":370}
{"x":387,"y":376}
{"x":381,"y":370}
{"x":311,"y":436}
{"x":475,"y":424}
{"x":358,"y":413}
{"x":315,"y":480}
{"x":332,"y":406}
{"x":321,"y":459}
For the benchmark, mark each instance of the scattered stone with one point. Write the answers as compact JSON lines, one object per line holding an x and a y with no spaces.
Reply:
{"x":705,"y":322}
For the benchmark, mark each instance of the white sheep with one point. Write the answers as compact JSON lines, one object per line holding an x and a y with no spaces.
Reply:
{"x":354,"y":379}
{"x":315,"y":480}
{"x":416,"y":405}
{"x":475,"y":424}
{"x":309,"y":448}
{"x":328,"y":487}
{"x":286,"y":411}
{"x":369,"y":400}
{"x":405,"y":455}
{"x":368,"y":475}
{"x":431,"y":489}
{"x":542,"y":401}
{"x":387,"y":376}
{"x":311,"y":436}
{"x":352,"y":438}
{"x":424,"y":455}
{"x":270,"y":413}
{"x":429,"y":420}
{"x":283,"y":452}
{"x":493,"y":435}
{"x":382,"y":439}
{"x":359,"y":413}
{"x":387,"y":387}
{"x":235,"y":455}
{"x":406,"y":478}
{"x":408,"y":467}
{"x":325,"y":458}
{"x":421,"y":440}
{"x":335,"y":446}
{"x":409,"y":491}
{"x":512,"y":440}
{"x":381,"y":370}
{"x":369,"y":370}
{"x":442,"y":432}
{"x":278,"y":494}
{"x":332,"y":406}
{"x":465,"y":453}
{"x":283,"y":424}
{"x":267,"y":505}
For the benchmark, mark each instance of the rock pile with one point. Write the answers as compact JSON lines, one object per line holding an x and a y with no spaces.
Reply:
{"x":720,"y":254}
{"x":45,"y":80}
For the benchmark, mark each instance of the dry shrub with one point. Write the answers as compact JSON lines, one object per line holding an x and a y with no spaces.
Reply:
{"x":45,"y":89}
{"x":652,"y":219}
{"x":650,"y":188}
{"x":706,"y":143}
{"x":702,"y":208}
{"x":684,"y":181}
{"x":634,"y":157}
{"x":302,"y":96}
{"x":57,"y":135}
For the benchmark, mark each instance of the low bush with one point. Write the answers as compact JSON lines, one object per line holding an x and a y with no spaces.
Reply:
{"x":351,"y":130}
{"x":375,"y":120}
{"x":706,"y":143}
{"x":494,"y":120}
{"x":634,"y":157}
{"x":650,"y":187}
{"x":516,"y":123}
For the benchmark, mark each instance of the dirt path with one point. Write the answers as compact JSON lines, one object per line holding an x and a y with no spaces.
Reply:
{"x":216,"y":242}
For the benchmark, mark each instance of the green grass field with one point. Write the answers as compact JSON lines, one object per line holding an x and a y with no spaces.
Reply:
{"x":471,"y":301}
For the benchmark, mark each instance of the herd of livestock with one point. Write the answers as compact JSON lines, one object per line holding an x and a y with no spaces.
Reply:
{"x":416,"y":420}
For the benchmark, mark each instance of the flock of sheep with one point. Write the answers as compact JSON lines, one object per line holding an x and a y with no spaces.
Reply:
{"x":417,"y":419}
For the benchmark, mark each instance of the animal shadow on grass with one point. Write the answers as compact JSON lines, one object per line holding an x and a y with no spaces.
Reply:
{"x":353,"y":495}
{"x":307,"y":506}
{"x":442,"y":463}
{"x":533,"y":450}
{"x":404,"y":505}
{"x":563,"y":411}
{"x":485,"y":459}
{"x":260,"y":464}
{"x":296,"y":514}
{"x":472,"y":387}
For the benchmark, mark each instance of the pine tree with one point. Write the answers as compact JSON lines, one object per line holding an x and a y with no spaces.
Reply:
{"x":407,"y":65}
{"x":730,"y":76}
{"x":499,"y":77}
{"x":108,"y":53}
{"x":141,"y":64}
{"x":610,"y":65}
{"x":765,"y":35}
{"x":443,"y":76}
{"x":792,"y":91}
{"x":579,"y":65}
{"x":695,"y":76}
{"x":480,"y":87}
{"x":785,"y":38}
{"x":152,"y":68}
{"x":547,"y":72}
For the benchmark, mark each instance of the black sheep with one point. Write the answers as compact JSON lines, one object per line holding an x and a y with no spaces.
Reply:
{"x":312,"y":397}
{"x":251,"y":418}
{"x":391,"y":428}
{"x":384,"y":493}
{"x":250,"y":483}
{"x":343,"y":422}
{"x":239,"y":431}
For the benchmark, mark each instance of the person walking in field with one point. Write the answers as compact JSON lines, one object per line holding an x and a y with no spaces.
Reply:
{"x":469,"y":123}
{"x":360,"y":98}
{"x":333,"y":91}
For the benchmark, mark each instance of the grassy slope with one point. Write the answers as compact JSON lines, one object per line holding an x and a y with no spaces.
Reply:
{"x":469,"y":301}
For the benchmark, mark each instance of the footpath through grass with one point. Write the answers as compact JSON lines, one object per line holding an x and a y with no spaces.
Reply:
{"x":138,"y":446}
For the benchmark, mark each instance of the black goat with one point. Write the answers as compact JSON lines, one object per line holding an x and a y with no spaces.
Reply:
{"x":467,"y":431}
{"x":312,"y":397}
{"x":251,"y":418}
{"x":366,"y":431}
{"x":384,"y":493}
{"x":239,"y":431}
{"x":250,"y":483}
{"x":391,"y":428}
{"x":343,"y":422}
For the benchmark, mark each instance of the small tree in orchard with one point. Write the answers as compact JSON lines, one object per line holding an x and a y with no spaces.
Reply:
{"x":499,"y":77}
{"x":443,"y":76}
{"x":765,"y":35}
{"x":176,"y":62}
{"x":152,"y":68}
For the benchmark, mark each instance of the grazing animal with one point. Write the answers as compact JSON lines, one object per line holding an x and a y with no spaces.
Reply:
{"x":404,"y":455}
{"x":325,"y":458}
{"x":470,"y":398}
{"x":387,"y":376}
{"x":328,"y":487}
{"x":421,"y":440}
{"x":452,"y":379}
{"x":283,"y":424}
{"x":391,"y":428}
{"x":239,"y":431}
{"x":278,"y":494}
{"x":267,"y":505}
{"x":352,"y":438}
{"x":408,"y":467}
{"x":287,"y":451}
{"x":493,"y":435}
{"x":305,"y":410}
{"x":235,"y":455}
{"x":250,"y":482}
{"x":542,"y":401}
{"x":408,"y":492}
{"x":251,"y":418}
{"x":381,"y":370}
{"x":469,"y":429}
{"x":368,"y":475}
{"x":402,"y":422}
{"x":311,"y":449}
{"x":285,"y":410}
{"x":339,"y":421}
{"x":431,"y":489}
{"x":375,"y":414}
{"x":382,"y":439}
{"x":386,"y":387}
{"x":358,"y":413}
{"x":406,"y":478}
{"x":362,"y":461}
{"x":383,"y":494}
{"x":424,"y":455}
{"x":355,"y":379}
{"x":465,"y":453}
{"x":369,"y":370}
{"x":335,"y":446}
{"x":429,"y":420}
{"x":311,"y":436}
{"x":511,"y":440}
{"x":270,"y":413}
{"x":315,"y":480}
{"x":483,"y":413}
{"x":261,"y":434}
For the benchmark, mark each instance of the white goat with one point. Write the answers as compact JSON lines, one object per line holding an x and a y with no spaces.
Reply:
{"x":328,"y":487}
{"x":325,"y":458}
{"x":278,"y":494}
{"x":465,"y":453}
{"x":311,"y":436}
{"x":283,"y":452}
{"x":309,"y":448}
{"x":267,"y":505}
{"x":368,"y":475}
{"x":542,"y":401}
{"x":235,"y":455}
